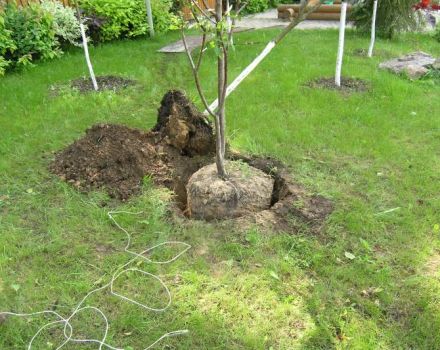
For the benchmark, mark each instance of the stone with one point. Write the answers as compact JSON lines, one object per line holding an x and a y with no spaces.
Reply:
{"x":436,"y":64}
{"x":415,"y":72}
{"x":246,"y":190}
{"x":415,"y":64}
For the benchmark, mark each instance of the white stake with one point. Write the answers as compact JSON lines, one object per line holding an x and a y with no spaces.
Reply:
{"x":373,"y":30}
{"x":341,"y":44}
{"x":150,"y":17}
{"x":86,"y":53}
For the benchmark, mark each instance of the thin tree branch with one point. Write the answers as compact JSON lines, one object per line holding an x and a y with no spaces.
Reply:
{"x":196,"y":76}
{"x":207,"y":16}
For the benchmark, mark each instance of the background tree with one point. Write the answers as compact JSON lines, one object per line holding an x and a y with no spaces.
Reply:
{"x":393,"y":16}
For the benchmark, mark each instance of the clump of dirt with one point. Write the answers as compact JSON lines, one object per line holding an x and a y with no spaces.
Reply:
{"x":348,"y":85}
{"x":183,"y":126}
{"x":105,"y":83}
{"x":117,"y":158}
{"x":245,"y":190}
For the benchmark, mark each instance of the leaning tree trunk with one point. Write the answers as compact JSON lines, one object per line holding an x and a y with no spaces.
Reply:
{"x":86,"y":51}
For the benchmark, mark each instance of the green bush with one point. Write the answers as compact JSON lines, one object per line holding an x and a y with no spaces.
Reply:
{"x":32,"y":33}
{"x":6,"y":46}
{"x":393,"y":16}
{"x":127,"y":18}
{"x":255,"y":6}
{"x":66,"y":24}
{"x":437,"y":33}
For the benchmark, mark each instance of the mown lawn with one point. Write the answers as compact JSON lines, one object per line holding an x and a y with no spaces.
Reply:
{"x":369,"y":152}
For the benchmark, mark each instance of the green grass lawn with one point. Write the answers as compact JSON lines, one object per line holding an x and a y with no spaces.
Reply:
{"x":369,"y":152}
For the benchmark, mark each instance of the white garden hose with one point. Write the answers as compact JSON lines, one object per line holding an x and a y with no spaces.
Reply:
{"x":66,"y":322}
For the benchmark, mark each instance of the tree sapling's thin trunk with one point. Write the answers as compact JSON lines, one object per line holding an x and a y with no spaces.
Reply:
{"x":373,"y":30}
{"x":86,"y":53}
{"x":341,"y":44}
{"x":150,"y":17}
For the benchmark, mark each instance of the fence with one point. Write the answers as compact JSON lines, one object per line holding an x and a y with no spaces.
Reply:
{"x":27,"y":2}
{"x":186,"y":11}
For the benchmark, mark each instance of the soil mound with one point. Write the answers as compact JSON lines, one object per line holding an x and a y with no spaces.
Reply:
{"x":117,"y":158}
{"x":246,"y":190}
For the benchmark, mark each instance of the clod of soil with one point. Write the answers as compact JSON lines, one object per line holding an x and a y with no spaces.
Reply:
{"x":246,"y":190}
{"x":117,"y":158}
{"x":184,"y":126}
{"x":348,"y":85}
{"x":105,"y":82}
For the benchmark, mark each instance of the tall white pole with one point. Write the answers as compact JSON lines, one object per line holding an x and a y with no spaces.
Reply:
{"x":373,"y":30}
{"x":150,"y":17}
{"x":341,"y":44}
{"x":86,"y":53}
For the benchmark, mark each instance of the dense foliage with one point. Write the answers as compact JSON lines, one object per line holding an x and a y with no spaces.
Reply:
{"x":7,"y":45}
{"x":29,"y":34}
{"x":255,"y":6}
{"x":393,"y":16}
{"x":38,"y":31}
{"x":114,"y":19}
{"x":66,"y":24}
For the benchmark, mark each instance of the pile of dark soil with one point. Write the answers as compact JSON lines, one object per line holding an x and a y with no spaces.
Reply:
{"x":348,"y":85}
{"x":117,"y":158}
{"x":105,"y":82}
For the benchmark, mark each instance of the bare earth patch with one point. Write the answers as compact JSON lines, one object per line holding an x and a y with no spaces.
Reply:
{"x":105,"y":83}
{"x":348,"y":85}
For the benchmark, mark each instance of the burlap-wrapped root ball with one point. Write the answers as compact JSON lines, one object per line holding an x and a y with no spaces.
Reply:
{"x":245,"y":190}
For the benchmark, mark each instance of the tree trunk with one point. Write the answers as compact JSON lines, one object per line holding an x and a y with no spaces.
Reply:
{"x":86,"y":54}
{"x":341,"y":44}
{"x":150,"y":17}
{"x":373,"y":30}
{"x":220,"y":115}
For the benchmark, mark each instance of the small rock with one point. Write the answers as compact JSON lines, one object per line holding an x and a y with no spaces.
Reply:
{"x":415,"y":65}
{"x":415,"y":72}
{"x":436,"y":64}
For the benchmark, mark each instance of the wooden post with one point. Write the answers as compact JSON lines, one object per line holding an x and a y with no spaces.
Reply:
{"x":373,"y":30}
{"x":150,"y":17}
{"x":341,"y":44}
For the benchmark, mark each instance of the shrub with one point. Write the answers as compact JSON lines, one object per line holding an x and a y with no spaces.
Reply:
{"x":32,"y":33}
{"x":126,"y":18}
{"x":6,"y":46}
{"x":255,"y":6}
{"x":66,"y":24}
{"x":393,"y":16}
{"x":437,"y":33}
